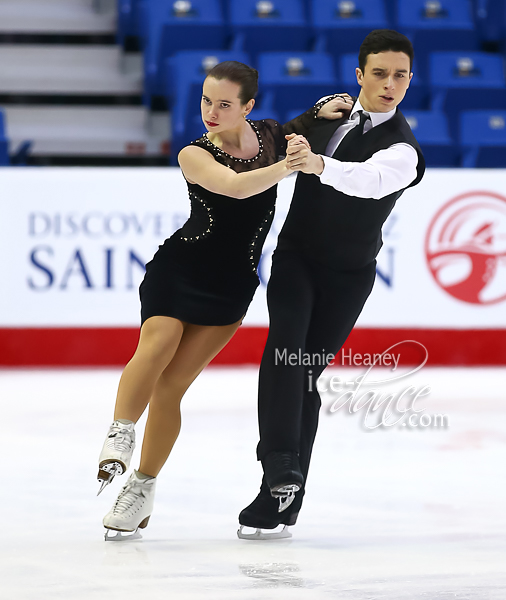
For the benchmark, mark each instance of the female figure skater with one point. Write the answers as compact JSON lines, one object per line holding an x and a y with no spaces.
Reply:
{"x":198,"y":286}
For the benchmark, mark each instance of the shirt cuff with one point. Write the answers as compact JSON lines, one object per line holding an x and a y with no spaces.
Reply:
{"x":332,"y":171}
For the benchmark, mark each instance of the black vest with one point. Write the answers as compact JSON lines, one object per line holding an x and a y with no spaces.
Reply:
{"x":341,"y":231}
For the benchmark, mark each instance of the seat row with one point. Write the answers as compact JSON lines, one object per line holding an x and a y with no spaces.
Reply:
{"x":164,"y":27}
{"x":480,"y":140}
{"x":294,"y":81}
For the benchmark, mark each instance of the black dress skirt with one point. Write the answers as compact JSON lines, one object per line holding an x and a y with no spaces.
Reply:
{"x":206,"y":272}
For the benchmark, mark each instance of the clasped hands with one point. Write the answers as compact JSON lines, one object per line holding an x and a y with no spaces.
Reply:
{"x":299,"y":156}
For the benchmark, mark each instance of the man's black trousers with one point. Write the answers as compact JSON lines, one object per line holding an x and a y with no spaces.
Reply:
{"x":312,"y":310}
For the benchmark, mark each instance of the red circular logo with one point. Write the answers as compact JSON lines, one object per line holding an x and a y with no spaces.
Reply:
{"x":465,"y":247}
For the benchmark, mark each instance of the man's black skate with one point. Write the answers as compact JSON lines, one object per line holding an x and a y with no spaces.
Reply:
{"x":283,"y":476}
{"x":263,"y":513}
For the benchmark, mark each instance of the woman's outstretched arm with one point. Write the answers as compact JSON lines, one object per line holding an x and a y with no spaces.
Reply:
{"x":199,"y":166}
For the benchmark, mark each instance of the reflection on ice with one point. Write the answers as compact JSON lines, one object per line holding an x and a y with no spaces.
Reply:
{"x":274,"y":575}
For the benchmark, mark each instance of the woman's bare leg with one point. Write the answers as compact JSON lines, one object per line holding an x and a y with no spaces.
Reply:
{"x":198,"y":346}
{"x":159,"y":340}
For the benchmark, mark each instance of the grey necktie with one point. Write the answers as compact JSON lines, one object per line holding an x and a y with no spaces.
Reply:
{"x":355,"y":133}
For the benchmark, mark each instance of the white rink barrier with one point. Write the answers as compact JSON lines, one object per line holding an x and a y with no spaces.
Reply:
{"x":74,"y":242}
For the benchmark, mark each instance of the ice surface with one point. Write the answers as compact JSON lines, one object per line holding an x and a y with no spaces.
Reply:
{"x":395,"y":512}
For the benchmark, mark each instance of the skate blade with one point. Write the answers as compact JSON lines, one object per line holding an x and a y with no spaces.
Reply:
{"x":112,"y":535}
{"x":105,"y":483}
{"x":259,"y":534}
{"x":107,"y":472}
{"x":118,"y":535}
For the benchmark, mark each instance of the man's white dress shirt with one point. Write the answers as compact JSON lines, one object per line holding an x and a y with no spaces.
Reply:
{"x":386,"y":172}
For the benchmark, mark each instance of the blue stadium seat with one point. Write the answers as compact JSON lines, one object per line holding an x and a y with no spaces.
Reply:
{"x":185,"y":73}
{"x":168,"y":26}
{"x":417,"y":96}
{"x":432,"y":132}
{"x":128,"y":20}
{"x":267,"y":26}
{"x":490,"y":18}
{"x":464,"y":81}
{"x":264,"y":108}
{"x":391,"y":10}
{"x":343,"y":24}
{"x":450,"y":28}
{"x":296,"y":79}
{"x":483,"y":138}
{"x":346,"y":69}
{"x":4,"y":144}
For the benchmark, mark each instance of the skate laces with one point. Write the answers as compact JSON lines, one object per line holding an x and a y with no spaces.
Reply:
{"x":122,"y":439}
{"x":130,"y":494}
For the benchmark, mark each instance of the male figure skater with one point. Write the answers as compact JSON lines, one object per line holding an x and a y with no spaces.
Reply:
{"x":324,"y":265}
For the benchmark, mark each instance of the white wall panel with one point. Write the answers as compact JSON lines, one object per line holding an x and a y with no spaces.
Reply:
{"x":71,"y":241}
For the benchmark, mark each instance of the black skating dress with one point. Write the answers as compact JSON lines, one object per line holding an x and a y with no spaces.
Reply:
{"x":206,"y":272}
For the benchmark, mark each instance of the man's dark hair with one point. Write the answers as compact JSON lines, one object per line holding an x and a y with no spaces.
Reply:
{"x":384,"y":40}
{"x":246,"y":77}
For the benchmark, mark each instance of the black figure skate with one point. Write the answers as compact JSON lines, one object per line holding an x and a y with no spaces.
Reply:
{"x":263,"y":513}
{"x":283,"y":476}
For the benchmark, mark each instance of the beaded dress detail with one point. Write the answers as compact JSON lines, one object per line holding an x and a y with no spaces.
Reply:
{"x":205,"y":273}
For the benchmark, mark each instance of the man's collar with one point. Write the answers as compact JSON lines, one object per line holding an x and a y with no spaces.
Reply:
{"x":376,"y":118}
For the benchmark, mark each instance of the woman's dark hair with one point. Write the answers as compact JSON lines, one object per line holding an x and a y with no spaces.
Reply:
{"x":384,"y":40}
{"x":246,"y":77}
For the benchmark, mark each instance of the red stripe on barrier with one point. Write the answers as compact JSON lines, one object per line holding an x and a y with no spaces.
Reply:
{"x":37,"y":347}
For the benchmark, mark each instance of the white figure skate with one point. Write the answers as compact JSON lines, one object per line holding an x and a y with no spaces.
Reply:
{"x":132,"y":509}
{"x":116,"y":453}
